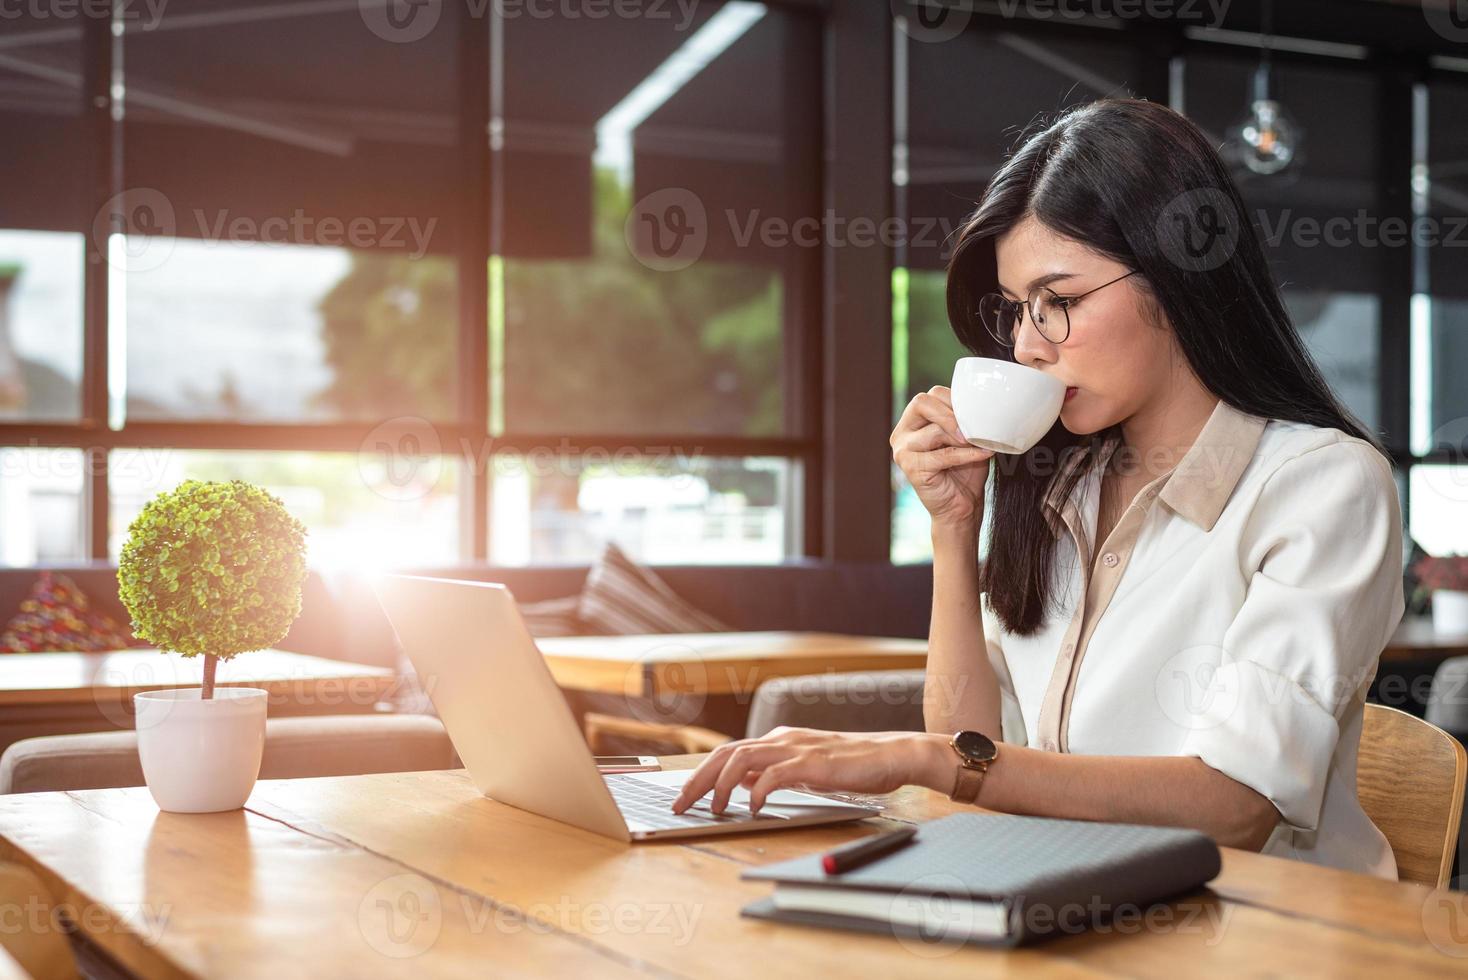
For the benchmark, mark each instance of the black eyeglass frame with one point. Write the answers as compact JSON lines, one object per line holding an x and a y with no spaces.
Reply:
{"x":1023,"y":309}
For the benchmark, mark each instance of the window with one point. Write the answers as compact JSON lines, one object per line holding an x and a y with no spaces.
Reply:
{"x":41,"y":505}
{"x":1438,"y":501}
{"x":1439,"y":508}
{"x":561,"y":510}
{"x":291,"y":219}
{"x":360,"y":510}
{"x":243,"y":331}
{"x":947,"y":149}
{"x":650,"y":277}
{"x":293,"y":207}
{"x":1442,"y":197}
{"x":41,"y":222}
{"x":40,"y":325}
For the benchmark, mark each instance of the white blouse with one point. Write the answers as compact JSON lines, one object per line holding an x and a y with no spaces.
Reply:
{"x":1235,"y":613}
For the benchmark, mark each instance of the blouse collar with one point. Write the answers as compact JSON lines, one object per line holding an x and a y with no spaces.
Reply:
{"x":1198,"y":488}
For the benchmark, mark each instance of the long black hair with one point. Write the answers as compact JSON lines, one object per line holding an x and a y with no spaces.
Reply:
{"x":1138,"y":183}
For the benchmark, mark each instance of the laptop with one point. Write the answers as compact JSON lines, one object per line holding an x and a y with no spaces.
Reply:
{"x":515,"y":732}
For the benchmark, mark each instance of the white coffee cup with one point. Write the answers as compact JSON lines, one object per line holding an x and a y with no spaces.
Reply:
{"x":1004,"y":406}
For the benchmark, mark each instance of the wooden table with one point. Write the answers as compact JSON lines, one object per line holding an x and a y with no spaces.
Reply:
{"x":716,"y":663}
{"x":1415,"y":639}
{"x":62,"y":693}
{"x":416,"y":875}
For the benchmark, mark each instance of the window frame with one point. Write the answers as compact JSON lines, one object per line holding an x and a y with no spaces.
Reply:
{"x":93,"y":434}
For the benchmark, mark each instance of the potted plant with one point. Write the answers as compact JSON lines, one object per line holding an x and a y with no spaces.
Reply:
{"x":1446,"y":577}
{"x":212,"y":570}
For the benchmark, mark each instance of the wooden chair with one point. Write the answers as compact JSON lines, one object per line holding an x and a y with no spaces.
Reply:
{"x":687,"y":738}
{"x":1409,"y":778}
{"x":33,"y":942}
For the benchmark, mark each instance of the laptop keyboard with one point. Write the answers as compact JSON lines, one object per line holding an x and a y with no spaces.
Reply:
{"x":648,"y":804}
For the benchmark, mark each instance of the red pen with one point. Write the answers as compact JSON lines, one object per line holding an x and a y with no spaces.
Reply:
{"x":866,"y":850}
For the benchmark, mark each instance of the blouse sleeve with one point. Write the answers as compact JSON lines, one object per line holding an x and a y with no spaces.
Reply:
{"x":1011,"y":719}
{"x":1325,"y":542}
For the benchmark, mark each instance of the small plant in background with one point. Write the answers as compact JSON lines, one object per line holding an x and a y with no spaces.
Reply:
{"x":1442,"y":572}
{"x":213,"y":569}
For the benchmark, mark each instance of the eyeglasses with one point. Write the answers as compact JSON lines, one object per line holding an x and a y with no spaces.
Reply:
{"x":1049,"y":312}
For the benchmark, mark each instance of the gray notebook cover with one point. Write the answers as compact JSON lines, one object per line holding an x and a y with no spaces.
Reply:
{"x":1054,"y":876}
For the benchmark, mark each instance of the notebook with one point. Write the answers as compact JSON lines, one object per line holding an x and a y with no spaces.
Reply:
{"x":994,"y":879}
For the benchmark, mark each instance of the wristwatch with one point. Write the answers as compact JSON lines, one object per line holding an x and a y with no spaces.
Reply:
{"x":975,"y":752}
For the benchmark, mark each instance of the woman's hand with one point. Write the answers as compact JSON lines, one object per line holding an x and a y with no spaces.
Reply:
{"x":946,"y":471}
{"x":865,"y":762}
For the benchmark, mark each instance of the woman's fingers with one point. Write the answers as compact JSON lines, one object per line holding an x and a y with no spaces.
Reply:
{"x":755,"y":755}
{"x":947,"y":457}
{"x":782,"y":775}
{"x":730,"y":764}
{"x":926,"y":408}
{"x":704,"y":776}
{"x":931,"y":436}
{"x":795,"y":758}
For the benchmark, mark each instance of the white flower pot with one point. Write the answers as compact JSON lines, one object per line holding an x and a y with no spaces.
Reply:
{"x":201,"y":756}
{"x":1449,"y":612}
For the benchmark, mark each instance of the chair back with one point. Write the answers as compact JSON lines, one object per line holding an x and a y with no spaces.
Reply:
{"x":1409,"y":778}
{"x":603,"y":732}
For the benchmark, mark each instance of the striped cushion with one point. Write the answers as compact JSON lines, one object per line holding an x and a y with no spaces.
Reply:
{"x":622,"y":597}
{"x":552,"y":617}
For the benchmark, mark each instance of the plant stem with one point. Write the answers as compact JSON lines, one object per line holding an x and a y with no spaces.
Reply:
{"x":210,"y":663}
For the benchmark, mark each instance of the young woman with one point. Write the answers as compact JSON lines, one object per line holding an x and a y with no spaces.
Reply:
{"x":1189,"y":579}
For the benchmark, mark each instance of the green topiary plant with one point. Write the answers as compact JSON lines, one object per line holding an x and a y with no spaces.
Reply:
{"x":213,"y":569}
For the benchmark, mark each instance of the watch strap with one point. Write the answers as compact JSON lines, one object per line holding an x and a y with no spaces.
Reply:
{"x":967,"y":782}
